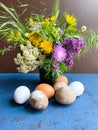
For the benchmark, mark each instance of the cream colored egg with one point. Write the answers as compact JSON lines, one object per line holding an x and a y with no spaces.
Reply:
{"x":21,"y":94}
{"x":59,"y":85}
{"x":38,"y":100}
{"x":77,"y":87}
{"x":65,"y":95}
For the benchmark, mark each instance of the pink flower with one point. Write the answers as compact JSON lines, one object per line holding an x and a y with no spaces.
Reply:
{"x":59,"y":53}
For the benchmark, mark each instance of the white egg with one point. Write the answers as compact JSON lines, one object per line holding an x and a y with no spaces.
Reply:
{"x":21,"y":94}
{"x":77,"y":87}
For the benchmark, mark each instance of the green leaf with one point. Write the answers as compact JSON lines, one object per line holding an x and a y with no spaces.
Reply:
{"x":91,"y":40}
{"x":6,"y":23}
{"x":56,"y":9}
{"x":23,"y":5}
{"x":3,"y":17}
{"x":71,"y":28}
{"x":56,"y":74}
{"x":60,"y":21}
{"x":8,"y":10}
{"x":19,"y":2}
{"x":2,"y":52}
{"x":63,"y":67}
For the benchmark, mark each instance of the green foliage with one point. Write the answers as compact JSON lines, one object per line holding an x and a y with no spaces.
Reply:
{"x":63,"y":67}
{"x":55,"y":12}
{"x":2,"y":52}
{"x":91,"y":40}
{"x":61,"y":20}
{"x":9,"y":21}
{"x":56,"y":74}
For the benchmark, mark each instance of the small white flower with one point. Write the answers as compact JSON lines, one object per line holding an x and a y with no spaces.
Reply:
{"x":29,"y":59}
{"x":26,"y":53}
{"x":83,"y":28}
{"x":29,"y":45}
{"x":22,"y":47}
{"x":18,"y":55}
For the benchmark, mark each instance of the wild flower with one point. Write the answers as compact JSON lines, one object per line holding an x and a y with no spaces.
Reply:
{"x":50,"y":42}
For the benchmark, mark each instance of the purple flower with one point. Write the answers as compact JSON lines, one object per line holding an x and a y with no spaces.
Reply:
{"x":59,"y":53}
{"x":73,"y":45}
{"x":69,"y":59}
{"x":69,"y":62}
{"x":56,"y":66}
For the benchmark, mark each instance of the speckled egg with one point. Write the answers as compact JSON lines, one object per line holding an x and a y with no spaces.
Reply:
{"x":61,"y":78}
{"x":77,"y":87}
{"x":21,"y":94}
{"x":65,"y":96}
{"x":38,"y":100}
{"x":47,"y":89}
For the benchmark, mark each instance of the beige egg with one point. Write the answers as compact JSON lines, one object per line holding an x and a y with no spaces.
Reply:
{"x":65,"y":95}
{"x":38,"y":100}
{"x":61,"y":78}
{"x":59,"y":85}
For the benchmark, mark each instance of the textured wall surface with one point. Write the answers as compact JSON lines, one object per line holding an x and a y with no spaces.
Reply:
{"x":87,"y":14}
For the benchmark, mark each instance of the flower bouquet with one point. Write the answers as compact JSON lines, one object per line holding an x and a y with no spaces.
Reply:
{"x":47,"y":43}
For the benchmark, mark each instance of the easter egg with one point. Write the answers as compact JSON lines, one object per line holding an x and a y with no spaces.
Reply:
{"x":77,"y":87}
{"x":47,"y":89}
{"x":21,"y":94}
{"x":38,"y":100}
{"x":65,"y":96}
{"x":61,"y":78}
{"x":59,"y":85}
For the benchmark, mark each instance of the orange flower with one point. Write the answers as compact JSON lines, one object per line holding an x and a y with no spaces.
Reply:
{"x":46,"y":46}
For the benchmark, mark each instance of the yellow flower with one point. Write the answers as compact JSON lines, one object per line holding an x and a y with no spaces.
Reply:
{"x":47,"y":20}
{"x":30,"y":20}
{"x":46,"y":46}
{"x":52,"y":18}
{"x":12,"y":33}
{"x":35,"y":38}
{"x":18,"y":34}
{"x":54,"y":32}
{"x":27,"y":35}
{"x":43,"y":23}
{"x":71,"y":20}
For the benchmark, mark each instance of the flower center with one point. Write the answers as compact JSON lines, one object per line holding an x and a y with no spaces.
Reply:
{"x":60,"y":54}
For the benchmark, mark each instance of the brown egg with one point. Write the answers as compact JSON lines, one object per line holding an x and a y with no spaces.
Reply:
{"x":65,"y":95}
{"x":47,"y":89}
{"x":61,"y":78}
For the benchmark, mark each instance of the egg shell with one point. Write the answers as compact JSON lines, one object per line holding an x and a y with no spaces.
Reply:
{"x":21,"y":94}
{"x":47,"y":89}
{"x":59,"y":85}
{"x":65,"y":96}
{"x":61,"y":78}
{"x":38,"y":100}
{"x":77,"y":87}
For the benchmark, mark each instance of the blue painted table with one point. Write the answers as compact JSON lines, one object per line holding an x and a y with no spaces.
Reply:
{"x":81,"y":115}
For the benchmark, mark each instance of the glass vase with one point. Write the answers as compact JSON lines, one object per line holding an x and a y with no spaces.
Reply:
{"x":45,"y":77}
